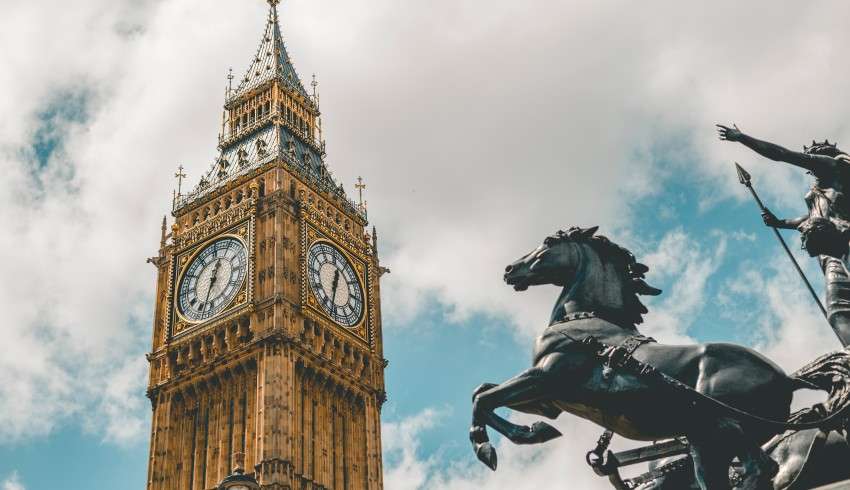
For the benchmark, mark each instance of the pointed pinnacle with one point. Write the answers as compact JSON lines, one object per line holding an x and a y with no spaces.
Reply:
{"x":743,"y":175}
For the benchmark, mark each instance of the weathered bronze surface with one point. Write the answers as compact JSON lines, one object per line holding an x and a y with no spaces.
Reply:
{"x":826,"y":227}
{"x":591,"y":361}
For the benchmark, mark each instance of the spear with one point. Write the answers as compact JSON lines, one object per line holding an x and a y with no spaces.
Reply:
{"x":744,"y":178}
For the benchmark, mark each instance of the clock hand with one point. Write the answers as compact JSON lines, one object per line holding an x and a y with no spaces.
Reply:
{"x":212,"y":280}
{"x":335,"y":285}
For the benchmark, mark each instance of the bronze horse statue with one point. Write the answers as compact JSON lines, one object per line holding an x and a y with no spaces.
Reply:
{"x":591,"y":361}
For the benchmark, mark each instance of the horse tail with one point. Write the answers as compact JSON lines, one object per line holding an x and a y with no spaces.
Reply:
{"x":829,"y":373}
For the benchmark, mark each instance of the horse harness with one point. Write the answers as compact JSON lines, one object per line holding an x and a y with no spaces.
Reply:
{"x":621,"y":358}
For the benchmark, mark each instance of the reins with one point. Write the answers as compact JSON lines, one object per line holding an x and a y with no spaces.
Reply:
{"x":621,"y":357}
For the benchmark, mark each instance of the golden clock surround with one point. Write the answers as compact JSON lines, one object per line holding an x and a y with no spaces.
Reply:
{"x":312,"y":235}
{"x":179,"y":323}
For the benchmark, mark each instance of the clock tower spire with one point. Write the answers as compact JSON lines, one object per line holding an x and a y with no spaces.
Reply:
{"x":267,"y":335}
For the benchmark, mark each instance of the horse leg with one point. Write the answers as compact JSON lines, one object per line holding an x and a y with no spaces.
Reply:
{"x":711,"y":464}
{"x":522,"y":389}
{"x":484,"y":451}
{"x":525,"y":388}
{"x":713,"y":450}
{"x":759,"y":467}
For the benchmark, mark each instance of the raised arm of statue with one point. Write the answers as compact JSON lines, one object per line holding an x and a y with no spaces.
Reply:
{"x":814,"y":163}
{"x":771,"y":220}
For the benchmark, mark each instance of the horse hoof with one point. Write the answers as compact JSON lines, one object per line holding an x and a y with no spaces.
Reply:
{"x":487,"y":454}
{"x":544,"y":432}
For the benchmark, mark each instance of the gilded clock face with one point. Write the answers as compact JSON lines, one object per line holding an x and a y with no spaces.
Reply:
{"x":213,"y":279}
{"x":334,"y":284}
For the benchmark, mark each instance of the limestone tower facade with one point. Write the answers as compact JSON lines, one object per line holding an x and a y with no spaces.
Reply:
{"x":267,"y":342}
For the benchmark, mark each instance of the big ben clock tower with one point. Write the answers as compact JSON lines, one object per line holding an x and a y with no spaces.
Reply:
{"x":267,"y":350}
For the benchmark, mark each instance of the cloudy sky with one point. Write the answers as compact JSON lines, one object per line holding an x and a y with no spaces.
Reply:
{"x":480,"y":126}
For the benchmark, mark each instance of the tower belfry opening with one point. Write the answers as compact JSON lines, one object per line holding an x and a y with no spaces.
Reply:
{"x":267,"y":343}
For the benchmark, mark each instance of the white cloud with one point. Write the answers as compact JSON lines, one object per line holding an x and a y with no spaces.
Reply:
{"x":121,"y":403}
{"x":608,"y":93}
{"x":785,"y":322}
{"x":688,"y":264}
{"x":480,"y":126}
{"x":13,"y":482}
{"x":404,"y":468}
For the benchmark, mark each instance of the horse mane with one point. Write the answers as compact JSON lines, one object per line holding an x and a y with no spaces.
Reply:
{"x":634,"y":271}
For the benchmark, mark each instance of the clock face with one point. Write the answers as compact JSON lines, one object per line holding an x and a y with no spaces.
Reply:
{"x":213,"y":279}
{"x":334,"y":284}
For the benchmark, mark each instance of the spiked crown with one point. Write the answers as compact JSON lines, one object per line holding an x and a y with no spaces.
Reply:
{"x":822,"y":148}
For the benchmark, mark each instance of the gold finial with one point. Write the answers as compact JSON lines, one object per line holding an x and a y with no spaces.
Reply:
{"x":164,"y":232}
{"x":180,"y":176}
{"x":230,"y":78}
{"x":360,"y":186}
{"x":273,"y":3}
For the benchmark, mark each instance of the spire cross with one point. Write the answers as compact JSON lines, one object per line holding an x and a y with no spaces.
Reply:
{"x":179,"y":176}
{"x":273,"y":3}
{"x":360,"y":186}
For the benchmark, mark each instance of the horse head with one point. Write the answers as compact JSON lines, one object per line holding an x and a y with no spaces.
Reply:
{"x":596,"y":274}
{"x":553,"y":262}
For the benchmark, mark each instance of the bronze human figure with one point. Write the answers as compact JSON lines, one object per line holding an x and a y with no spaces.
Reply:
{"x":826,"y":228}
{"x":591,"y":361}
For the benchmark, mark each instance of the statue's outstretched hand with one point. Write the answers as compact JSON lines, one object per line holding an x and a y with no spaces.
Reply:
{"x":770,"y":219}
{"x":729,"y":134}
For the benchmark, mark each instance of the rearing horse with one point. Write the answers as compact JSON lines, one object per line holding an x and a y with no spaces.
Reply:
{"x":599,"y":303}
